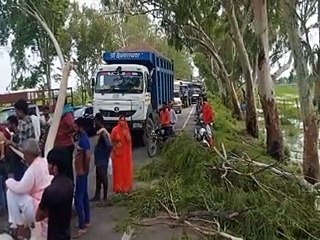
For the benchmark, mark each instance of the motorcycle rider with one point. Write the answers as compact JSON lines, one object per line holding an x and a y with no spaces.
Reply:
{"x":165,"y":119}
{"x":208,"y":118}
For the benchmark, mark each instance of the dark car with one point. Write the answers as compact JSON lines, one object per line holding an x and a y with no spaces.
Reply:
{"x":87,"y":113}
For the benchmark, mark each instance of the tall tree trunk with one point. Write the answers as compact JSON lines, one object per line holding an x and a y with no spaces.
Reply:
{"x":311,"y":167}
{"x":251,"y":116}
{"x":265,"y":84}
{"x":66,"y":69}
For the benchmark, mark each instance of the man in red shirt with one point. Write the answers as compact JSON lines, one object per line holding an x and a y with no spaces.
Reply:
{"x":208,"y":118}
{"x":165,"y":119}
{"x":64,"y":136}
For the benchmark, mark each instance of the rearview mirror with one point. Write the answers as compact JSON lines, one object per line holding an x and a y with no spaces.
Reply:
{"x":151,"y":72}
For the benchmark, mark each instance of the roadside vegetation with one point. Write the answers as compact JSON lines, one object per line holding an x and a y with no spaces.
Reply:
{"x":236,"y":190}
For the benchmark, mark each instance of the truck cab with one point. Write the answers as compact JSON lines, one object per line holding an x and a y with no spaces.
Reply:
{"x":133,"y":85}
{"x":122,"y":90}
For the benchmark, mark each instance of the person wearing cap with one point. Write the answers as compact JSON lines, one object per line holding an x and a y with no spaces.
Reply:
{"x":23,"y":197}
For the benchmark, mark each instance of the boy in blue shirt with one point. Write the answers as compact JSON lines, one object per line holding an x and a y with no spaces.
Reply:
{"x":82,"y":163}
{"x":102,"y":153}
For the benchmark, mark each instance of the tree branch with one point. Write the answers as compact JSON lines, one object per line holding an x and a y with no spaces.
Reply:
{"x":282,"y":69}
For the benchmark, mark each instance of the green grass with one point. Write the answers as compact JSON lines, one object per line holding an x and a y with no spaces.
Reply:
{"x":287,"y":98}
{"x":286,"y":90}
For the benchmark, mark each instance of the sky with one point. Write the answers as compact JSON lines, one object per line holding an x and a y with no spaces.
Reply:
{"x":5,"y":64}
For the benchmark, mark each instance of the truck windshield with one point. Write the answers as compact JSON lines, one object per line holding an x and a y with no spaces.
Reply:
{"x":125,"y":82}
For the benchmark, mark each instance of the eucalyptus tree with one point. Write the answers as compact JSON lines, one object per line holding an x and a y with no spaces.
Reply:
{"x":265,"y":86}
{"x":27,"y":34}
{"x":189,"y":24}
{"x":237,"y":32}
{"x":89,"y":33}
{"x":307,"y":67}
{"x":131,"y":28}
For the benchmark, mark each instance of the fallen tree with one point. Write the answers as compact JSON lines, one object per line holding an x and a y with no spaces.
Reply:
{"x":232,"y":192}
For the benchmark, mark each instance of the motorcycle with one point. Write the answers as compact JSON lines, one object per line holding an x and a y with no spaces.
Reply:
{"x":201,"y":134}
{"x":156,"y":140}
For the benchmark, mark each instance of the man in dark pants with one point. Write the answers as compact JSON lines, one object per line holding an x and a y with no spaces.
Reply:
{"x":102,"y":153}
{"x":64,"y":136}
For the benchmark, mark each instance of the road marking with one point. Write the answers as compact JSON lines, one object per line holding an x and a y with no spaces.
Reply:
{"x":188,"y":118}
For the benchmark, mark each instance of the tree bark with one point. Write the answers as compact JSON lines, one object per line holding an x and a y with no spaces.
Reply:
{"x":308,"y":104}
{"x":251,"y":115}
{"x":265,"y":84}
{"x":311,"y":169}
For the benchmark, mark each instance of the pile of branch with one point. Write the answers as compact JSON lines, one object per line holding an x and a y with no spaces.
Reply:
{"x":203,"y":222}
{"x":225,"y":195}
{"x":227,"y":167}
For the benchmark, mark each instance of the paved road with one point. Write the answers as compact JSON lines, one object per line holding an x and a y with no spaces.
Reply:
{"x":104,"y":220}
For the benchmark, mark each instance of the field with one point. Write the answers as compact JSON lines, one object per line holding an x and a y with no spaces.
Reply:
{"x":286,"y":91}
{"x":288,"y":100}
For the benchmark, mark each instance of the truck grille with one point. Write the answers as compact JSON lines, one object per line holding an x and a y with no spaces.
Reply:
{"x":108,"y":113}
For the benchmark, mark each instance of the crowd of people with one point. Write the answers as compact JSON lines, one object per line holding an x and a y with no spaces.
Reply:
{"x":41,"y":190}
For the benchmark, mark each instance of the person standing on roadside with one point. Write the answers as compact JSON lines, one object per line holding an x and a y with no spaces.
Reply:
{"x":82,"y":164}
{"x":64,"y":136}
{"x":122,"y":162}
{"x":173,"y":117}
{"x":102,"y":153}
{"x":56,"y":201}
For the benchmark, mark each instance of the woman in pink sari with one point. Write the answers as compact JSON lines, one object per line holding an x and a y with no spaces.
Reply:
{"x":122,"y":157}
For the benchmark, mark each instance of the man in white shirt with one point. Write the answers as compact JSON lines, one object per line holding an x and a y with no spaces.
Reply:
{"x":23,"y":196}
{"x":173,"y":116}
